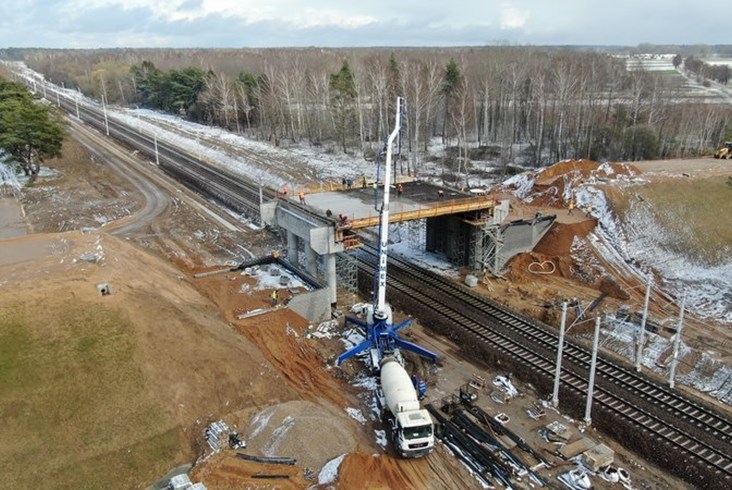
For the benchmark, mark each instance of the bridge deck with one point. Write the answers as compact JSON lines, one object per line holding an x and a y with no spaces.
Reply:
{"x":418,"y":200}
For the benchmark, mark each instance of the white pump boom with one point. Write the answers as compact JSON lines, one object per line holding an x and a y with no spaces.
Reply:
{"x":384,"y":223}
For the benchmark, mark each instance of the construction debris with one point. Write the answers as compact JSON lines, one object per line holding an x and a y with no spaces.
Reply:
{"x":597,"y":457}
{"x":266,"y":459}
{"x":180,"y":482}
{"x":557,"y":432}
{"x":183,"y":482}
{"x":504,"y":384}
{"x":573,"y":449}
{"x":575,"y":479}
{"x":535,"y":411}
{"x":213,"y":433}
{"x":235,"y":442}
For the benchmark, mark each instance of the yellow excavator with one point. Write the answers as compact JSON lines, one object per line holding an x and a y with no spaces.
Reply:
{"x":725,"y":151}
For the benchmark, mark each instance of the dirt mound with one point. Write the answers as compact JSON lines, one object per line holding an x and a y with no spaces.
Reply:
{"x":527,"y":266}
{"x":553,"y":185}
{"x":224,"y":471}
{"x":382,"y":471}
{"x":609,"y":286}
{"x":558,"y":240}
{"x":584,"y":168}
{"x":310,"y":432}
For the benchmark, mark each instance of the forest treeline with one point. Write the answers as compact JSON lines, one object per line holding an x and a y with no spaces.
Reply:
{"x":528,"y":105}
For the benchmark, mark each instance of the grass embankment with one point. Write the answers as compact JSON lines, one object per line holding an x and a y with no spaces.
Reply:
{"x":74,"y":410}
{"x":698,"y":212}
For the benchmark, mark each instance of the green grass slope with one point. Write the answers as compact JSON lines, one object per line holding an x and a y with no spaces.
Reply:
{"x":74,"y":409}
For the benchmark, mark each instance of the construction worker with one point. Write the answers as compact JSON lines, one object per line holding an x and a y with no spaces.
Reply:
{"x":400,"y":189}
{"x":571,"y":207}
{"x":301,"y":195}
{"x":440,"y":194}
{"x":363,"y":181}
{"x":589,"y":211}
{"x":275,"y":297}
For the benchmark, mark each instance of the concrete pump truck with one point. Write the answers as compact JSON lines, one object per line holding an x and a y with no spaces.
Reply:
{"x":411,"y":426}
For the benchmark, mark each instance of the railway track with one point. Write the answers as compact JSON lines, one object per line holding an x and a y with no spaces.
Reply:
{"x":226,"y":187}
{"x":687,"y":426}
{"x":693,"y":430}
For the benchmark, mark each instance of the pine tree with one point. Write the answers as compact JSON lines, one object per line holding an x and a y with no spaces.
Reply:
{"x":342,"y":100}
{"x":449,"y":86}
{"x":29,"y":132}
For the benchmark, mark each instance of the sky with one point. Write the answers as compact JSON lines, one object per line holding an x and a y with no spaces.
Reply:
{"x":357,"y":23}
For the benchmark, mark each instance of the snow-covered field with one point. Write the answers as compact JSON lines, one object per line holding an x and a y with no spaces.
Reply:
{"x":8,"y":180}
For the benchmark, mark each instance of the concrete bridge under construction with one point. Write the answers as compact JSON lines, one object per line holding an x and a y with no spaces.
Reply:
{"x":468,"y":228}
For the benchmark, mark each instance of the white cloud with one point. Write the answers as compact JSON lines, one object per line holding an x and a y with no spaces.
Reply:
{"x":272,"y":23}
{"x":512,"y":17}
{"x":318,"y":18}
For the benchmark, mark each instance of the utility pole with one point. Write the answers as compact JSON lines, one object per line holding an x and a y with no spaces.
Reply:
{"x":677,"y":341}
{"x":157,"y":157}
{"x":560,"y":348}
{"x":106,"y":121}
{"x":642,"y":332}
{"x":593,"y":365}
{"x":261,"y":203}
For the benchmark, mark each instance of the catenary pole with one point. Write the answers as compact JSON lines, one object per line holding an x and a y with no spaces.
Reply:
{"x":157,"y":157}
{"x":677,"y":342}
{"x":593,"y":365}
{"x":642,"y":332}
{"x":560,"y":348}
{"x":106,"y":121}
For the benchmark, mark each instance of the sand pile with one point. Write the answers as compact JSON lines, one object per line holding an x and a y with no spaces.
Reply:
{"x":311,"y":433}
{"x":554,"y":185}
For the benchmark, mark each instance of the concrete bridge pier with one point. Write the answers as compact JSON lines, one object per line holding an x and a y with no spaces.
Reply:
{"x":292,"y":249}
{"x":311,"y":260}
{"x":330,"y":275}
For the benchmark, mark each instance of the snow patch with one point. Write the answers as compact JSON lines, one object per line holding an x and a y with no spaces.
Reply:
{"x":8,"y":178}
{"x":261,"y":421}
{"x":380,"y":438}
{"x":356,"y":414}
{"x":329,"y":473}
{"x":278,"y":435}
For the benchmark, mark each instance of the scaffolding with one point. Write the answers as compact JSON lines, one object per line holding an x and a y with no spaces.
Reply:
{"x":492,"y":242}
{"x":458,"y":253}
{"x":486,"y":241}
